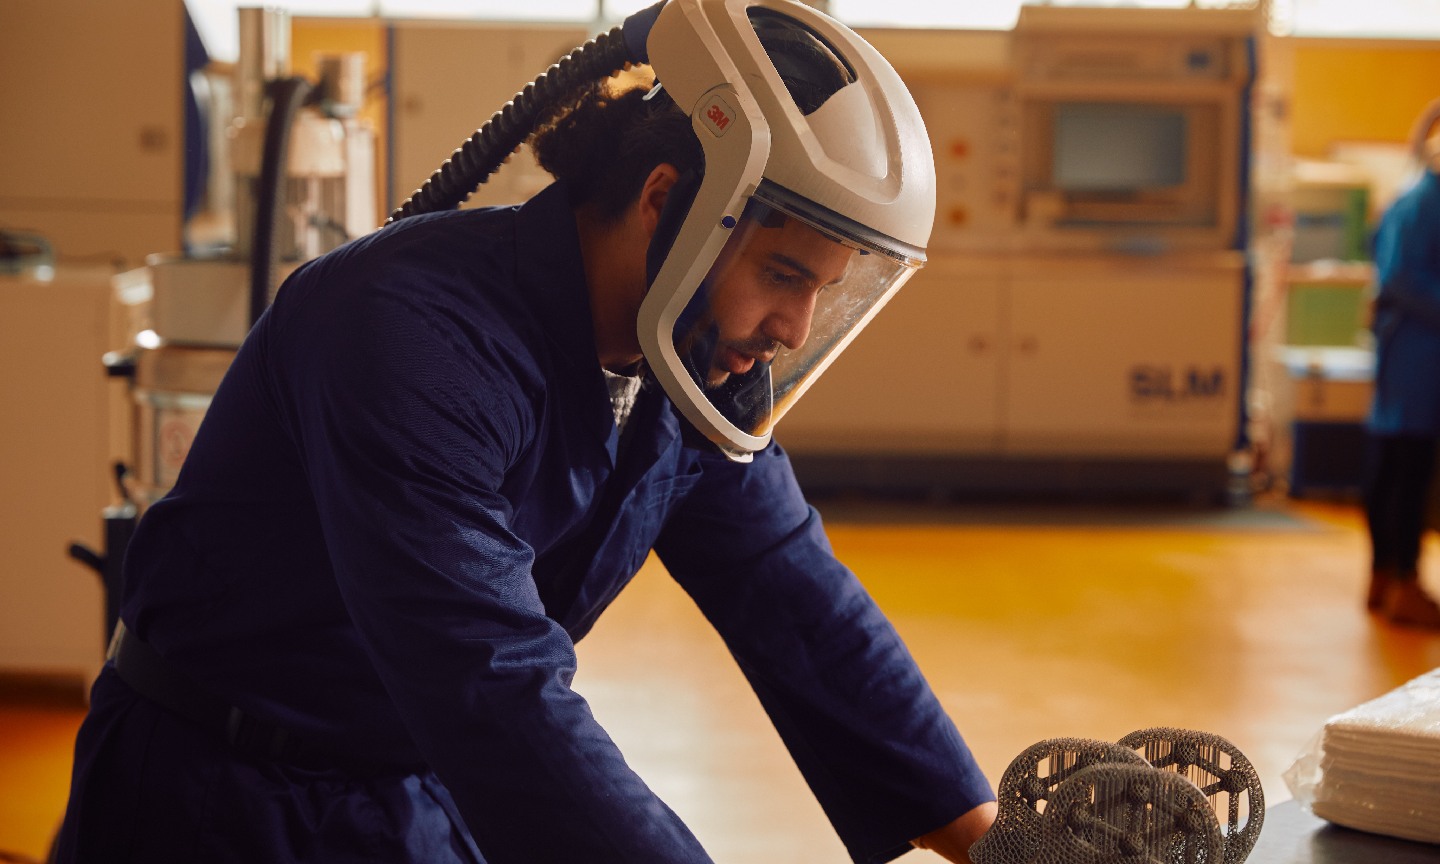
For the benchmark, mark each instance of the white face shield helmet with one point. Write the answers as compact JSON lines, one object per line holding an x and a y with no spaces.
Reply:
{"x":814,"y":207}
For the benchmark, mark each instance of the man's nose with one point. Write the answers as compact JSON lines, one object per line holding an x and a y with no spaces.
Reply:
{"x":789,"y":323}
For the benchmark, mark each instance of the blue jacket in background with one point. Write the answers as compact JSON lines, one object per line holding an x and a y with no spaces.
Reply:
{"x":1407,"y":315}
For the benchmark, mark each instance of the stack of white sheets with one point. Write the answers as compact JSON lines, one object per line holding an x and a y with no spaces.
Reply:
{"x":1379,"y":764}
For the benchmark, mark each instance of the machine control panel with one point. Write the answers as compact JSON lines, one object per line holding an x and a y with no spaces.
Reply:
{"x":975,"y":133}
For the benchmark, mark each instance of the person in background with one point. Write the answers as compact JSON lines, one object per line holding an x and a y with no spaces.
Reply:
{"x":1404,"y":423}
{"x":348,"y":632}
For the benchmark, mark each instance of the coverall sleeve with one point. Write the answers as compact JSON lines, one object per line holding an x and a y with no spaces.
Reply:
{"x":882,"y":757}
{"x":406,"y":414}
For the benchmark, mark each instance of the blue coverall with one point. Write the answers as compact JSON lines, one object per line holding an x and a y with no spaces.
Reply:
{"x":407,"y":501}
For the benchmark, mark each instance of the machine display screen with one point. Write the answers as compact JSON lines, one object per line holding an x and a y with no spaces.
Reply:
{"x":1114,"y":147}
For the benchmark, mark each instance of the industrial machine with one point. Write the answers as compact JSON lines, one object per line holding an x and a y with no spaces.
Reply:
{"x":301,"y":181}
{"x":1081,"y":319}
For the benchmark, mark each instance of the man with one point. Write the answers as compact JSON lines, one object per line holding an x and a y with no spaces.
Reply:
{"x":437,"y":458}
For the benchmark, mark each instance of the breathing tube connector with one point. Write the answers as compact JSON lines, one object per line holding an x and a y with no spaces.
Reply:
{"x":482,"y":154}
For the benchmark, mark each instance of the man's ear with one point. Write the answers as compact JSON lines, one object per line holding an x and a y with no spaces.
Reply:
{"x":655,"y":193}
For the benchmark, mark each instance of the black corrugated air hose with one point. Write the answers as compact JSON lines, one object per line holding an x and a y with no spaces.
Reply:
{"x":286,"y":96}
{"x":482,"y":154}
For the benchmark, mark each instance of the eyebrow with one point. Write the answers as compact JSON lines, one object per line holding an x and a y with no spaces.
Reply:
{"x":794,"y":264}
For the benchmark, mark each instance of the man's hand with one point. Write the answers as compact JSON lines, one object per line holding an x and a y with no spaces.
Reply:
{"x":954,"y":840}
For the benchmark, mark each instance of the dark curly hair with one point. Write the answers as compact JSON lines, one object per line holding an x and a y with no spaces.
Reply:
{"x":604,"y":145}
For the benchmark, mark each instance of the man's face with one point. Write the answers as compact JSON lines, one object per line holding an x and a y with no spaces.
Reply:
{"x":763,"y":290}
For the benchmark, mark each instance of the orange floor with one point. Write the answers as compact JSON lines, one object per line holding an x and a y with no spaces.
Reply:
{"x":1031,"y":623}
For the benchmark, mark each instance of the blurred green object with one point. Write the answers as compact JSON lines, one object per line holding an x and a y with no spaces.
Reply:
{"x":1332,"y":214}
{"x":1332,"y":312}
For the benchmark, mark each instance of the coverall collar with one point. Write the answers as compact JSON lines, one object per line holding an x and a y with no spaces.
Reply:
{"x":550,"y":268}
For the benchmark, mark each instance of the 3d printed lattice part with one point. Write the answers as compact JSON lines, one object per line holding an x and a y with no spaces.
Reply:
{"x":1159,"y":796}
{"x":1027,"y":787}
{"x":1221,"y":772}
{"x":1132,"y":814}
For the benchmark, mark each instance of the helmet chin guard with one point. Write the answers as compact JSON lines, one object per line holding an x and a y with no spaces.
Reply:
{"x":815,"y":205}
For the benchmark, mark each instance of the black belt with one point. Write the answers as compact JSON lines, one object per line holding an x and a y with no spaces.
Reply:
{"x":153,"y":677}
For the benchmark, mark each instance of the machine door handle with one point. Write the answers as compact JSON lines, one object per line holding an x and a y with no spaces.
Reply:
{"x":119,"y":364}
{"x":89,"y":557}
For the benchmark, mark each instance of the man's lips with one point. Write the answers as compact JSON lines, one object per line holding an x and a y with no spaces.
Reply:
{"x":739,"y":360}
{"x":733,"y":361}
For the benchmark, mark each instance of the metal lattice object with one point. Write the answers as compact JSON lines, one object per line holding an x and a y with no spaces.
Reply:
{"x":1220,"y":771}
{"x":1026,"y":789}
{"x":1150,"y":799}
{"x":1135,"y":814}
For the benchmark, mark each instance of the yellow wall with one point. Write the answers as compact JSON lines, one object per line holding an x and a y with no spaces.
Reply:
{"x":1359,"y":90}
{"x":312,"y":37}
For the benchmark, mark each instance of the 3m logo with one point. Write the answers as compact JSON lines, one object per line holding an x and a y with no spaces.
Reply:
{"x":718,"y":115}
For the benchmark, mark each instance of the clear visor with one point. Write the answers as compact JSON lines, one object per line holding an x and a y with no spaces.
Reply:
{"x":786,"y":294}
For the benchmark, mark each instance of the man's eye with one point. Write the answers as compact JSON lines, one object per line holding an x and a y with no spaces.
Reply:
{"x":783,"y":278}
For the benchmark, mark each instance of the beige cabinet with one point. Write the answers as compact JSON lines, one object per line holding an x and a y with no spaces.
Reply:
{"x":1055,"y":358}
{"x":1132,"y":358}
{"x":925,"y":376}
{"x":62,"y":430}
{"x":449,"y":79}
{"x":91,"y":125}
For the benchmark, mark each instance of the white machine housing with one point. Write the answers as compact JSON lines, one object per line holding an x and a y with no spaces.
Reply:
{"x":1060,"y":337}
